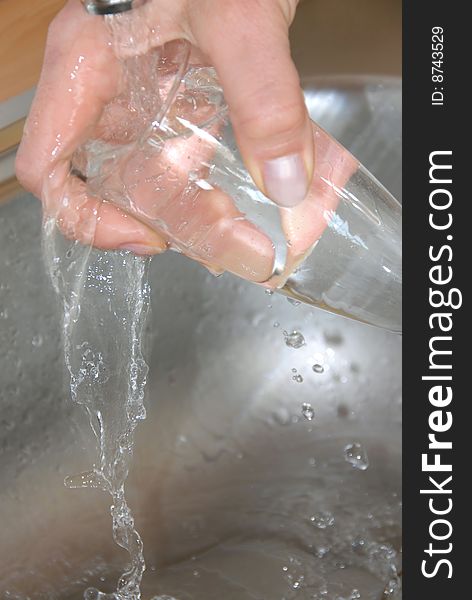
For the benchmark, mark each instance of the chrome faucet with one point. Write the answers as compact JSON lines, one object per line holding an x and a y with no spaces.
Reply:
{"x":110,"y":7}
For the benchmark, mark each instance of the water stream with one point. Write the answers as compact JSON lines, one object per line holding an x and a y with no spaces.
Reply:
{"x":105,"y":298}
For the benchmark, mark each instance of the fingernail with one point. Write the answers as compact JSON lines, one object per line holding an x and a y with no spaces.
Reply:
{"x":285,"y":179}
{"x":142,"y":249}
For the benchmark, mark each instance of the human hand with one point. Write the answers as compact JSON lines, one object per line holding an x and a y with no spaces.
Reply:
{"x":246,"y":41}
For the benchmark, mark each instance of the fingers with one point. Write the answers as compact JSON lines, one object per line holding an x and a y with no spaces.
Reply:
{"x":204,"y":224}
{"x":215,"y":233}
{"x":248,"y":44}
{"x":304,"y":224}
{"x":80,"y":76}
{"x":91,"y":221}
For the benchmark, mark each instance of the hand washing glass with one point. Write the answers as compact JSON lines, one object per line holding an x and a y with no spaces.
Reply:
{"x":174,"y":165}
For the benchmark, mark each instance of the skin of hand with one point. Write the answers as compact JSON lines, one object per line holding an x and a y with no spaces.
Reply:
{"x":246,"y":41}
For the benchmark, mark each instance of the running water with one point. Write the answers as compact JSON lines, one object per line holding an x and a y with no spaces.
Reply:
{"x":105,"y":298}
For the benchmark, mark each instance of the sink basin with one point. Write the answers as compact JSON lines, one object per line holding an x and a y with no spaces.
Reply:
{"x":240,"y":490}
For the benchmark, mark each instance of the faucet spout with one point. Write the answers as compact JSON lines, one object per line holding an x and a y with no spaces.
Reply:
{"x":110,"y":7}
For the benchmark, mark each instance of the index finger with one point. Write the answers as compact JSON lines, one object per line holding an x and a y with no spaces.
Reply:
{"x":79,"y":76}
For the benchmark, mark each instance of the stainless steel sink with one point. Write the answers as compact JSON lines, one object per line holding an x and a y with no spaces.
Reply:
{"x":236,"y":493}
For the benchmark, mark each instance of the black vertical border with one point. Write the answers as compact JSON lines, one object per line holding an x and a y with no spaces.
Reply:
{"x":428,"y":128}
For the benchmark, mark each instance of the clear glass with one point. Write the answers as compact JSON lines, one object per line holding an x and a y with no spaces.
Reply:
{"x":177,"y":167}
{"x":355,"y":269}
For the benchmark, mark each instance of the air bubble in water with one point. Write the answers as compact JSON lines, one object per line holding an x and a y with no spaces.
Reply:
{"x":356,"y":455}
{"x":294,"y":339}
{"x":92,"y":594}
{"x":308,"y":411}
{"x":87,"y":479}
{"x":298,"y":378}
{"x":322,"y":551}
{"x":317,"y":368}
{"x":322,"y":520}
{"x":391,"y":588}
{"x":294,"y":573}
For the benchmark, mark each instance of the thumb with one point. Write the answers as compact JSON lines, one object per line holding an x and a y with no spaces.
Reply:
{"x":248,"y":44}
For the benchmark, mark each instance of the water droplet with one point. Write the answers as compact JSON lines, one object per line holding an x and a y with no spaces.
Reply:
{"x":92,"y":594}
{"x":294,"y":573}
{"x":293,"y":301}
{"x":356,"y":455}
{"x":391,"y":588}
{"x":308,"y":411}
{"x":317,"y":368}
{"x":358,"y":545}
{"x":276,"y":324}
{"x":322,"y":520}
{"x":298,"y":378}
{"x":322,"y":551}
{"x":294,"y":339}
{"x":355,"y":594}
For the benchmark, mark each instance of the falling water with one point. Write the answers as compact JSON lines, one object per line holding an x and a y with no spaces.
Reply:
{"x":105,"y":299}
